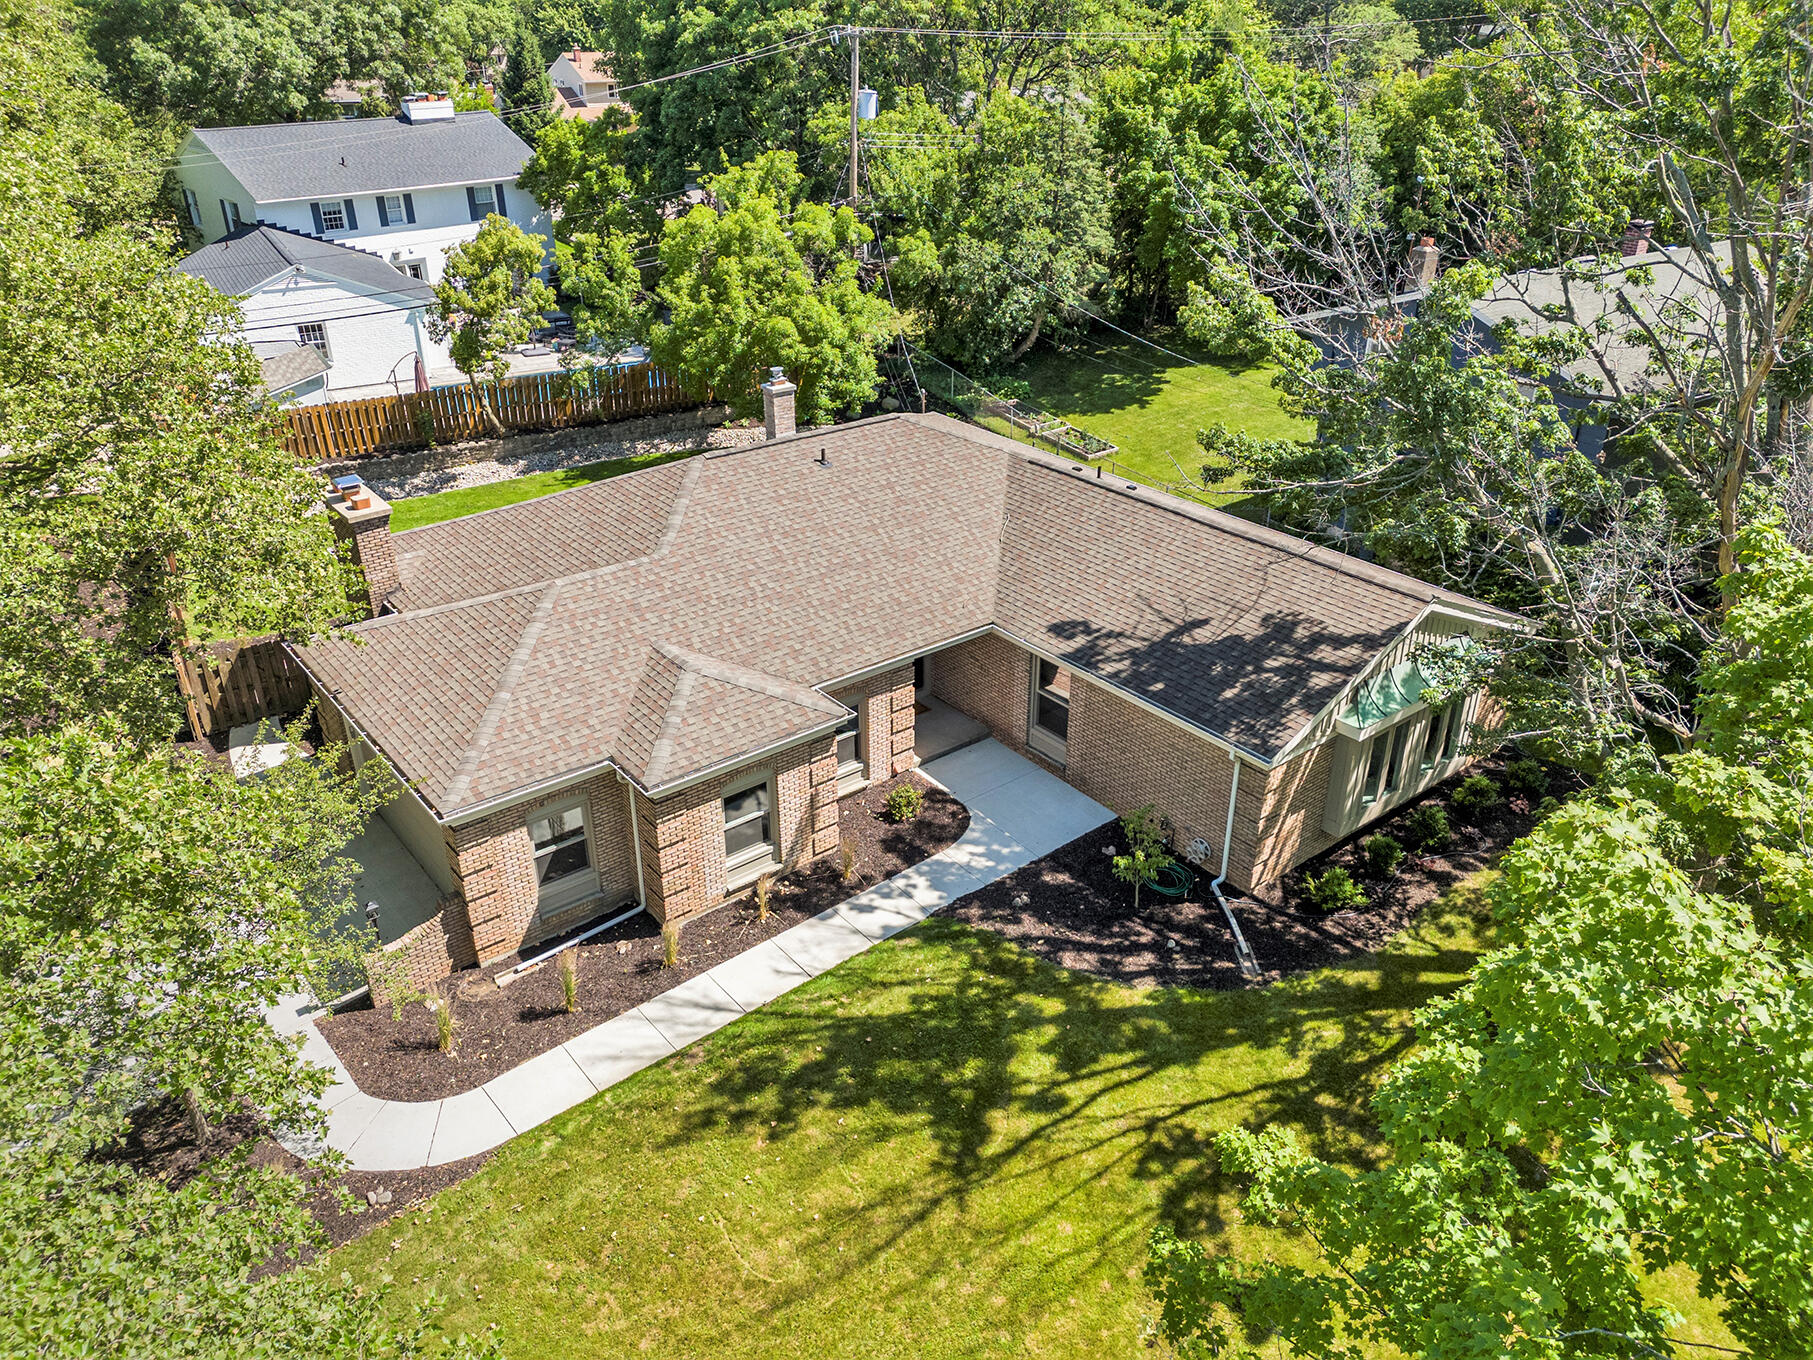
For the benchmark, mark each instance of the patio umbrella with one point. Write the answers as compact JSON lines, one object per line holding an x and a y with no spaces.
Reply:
{"x":421,"y":374}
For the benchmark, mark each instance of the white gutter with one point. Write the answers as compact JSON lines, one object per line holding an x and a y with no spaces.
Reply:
{"x":635,"y":839}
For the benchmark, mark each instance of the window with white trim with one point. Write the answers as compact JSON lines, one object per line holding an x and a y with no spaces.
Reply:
{"x":1372,"y":783}
{"x":1457,"y":719}
{"x":748,"y":824}
{"x":315,"y":333}
{"x":1435,"y":737}
{"x":1048,"y":724}
{"x":193,"y":206}
{"x":483,"y":200}
{"x":333,"y":217}
{"x":1394,"y":761}
{"x":393,"y":208}
{"x":562,"y":856}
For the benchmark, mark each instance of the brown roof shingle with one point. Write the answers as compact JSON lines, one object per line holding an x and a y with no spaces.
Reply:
{"x":673,"y":619}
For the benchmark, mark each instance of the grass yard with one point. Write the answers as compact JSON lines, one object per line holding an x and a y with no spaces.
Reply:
{"x":944,"y":1147}
{"x":416,"y":511}
{"x":1151,"y":405}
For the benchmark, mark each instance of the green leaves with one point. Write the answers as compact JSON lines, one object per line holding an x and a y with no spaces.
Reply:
{"x":768,"y":280}
{"x":1622,"y":1088}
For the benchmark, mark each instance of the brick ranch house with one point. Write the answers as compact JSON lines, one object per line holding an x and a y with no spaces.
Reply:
{"x":655,"y":688}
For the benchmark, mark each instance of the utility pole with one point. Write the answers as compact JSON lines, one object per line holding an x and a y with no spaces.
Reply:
{"x":855,"y":36}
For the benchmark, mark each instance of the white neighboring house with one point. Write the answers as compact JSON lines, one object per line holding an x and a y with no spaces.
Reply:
{"x":404,"y":188}
{"x":328,"y":322}
{"x":584,"y":84}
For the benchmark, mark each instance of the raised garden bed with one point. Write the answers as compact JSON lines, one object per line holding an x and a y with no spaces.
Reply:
{"x":498,"y":1028}
{"x":1069,"y":909}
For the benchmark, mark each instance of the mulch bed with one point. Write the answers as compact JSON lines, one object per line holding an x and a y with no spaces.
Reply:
{"x":498,"y":1028}
{"x":1069,"y":909}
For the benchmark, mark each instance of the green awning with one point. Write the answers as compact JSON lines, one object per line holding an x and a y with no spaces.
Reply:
{"x":1385,"y":695}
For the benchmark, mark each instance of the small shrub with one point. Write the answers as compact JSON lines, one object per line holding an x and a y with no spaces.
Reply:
{"x":1426,"y":829}
{"x":764,"y":890}
{"x":569,"y":979}
{"x":1476,"y":796}
{"x":904,"y":802}
{"x":670,"y":945}
{"x":1333,"y":890}
{"x":1383,"y":855}
{"x":846,"y":859}
{"x":441,"y":1008}
{"x":1526,"y":777}
{"x":1546,"y":807}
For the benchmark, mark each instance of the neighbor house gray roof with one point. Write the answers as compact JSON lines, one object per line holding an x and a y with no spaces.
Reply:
{"x":279,"y":161}
{"x":1666,"y":290}
{"x":676,"y":619}
{"x":240,"y":263}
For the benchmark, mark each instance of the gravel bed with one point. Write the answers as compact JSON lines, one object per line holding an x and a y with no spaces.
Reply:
{"x":425,"y":482}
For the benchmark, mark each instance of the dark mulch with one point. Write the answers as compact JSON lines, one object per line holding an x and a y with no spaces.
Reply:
{"x":159,"y":1145}
{"x":1069,"y":908}
{"x":620,"y":969}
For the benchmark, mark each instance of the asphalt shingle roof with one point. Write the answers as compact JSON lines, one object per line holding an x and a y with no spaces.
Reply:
{"x":283,"y":161}
{"x":237,"y":264}
{"x":676,"y":619}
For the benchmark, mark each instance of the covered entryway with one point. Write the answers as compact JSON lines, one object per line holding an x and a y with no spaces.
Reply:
{"x":939,"y":729}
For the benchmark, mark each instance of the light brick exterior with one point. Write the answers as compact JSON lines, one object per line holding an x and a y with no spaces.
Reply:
{"x":885,"y":702}
{"x":990,"y":679}
{"x":493,"y":860}
{"x":684,"y":871}
{"x":422,"y":957}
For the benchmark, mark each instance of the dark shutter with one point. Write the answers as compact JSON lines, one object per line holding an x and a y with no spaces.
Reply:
{"x":408,"y":208}
{"x":498,"y":189}
{"x":315,"y":208}
{"x":383,"y":216}
{"x":472,"y":204}
{"x":352,"y":217}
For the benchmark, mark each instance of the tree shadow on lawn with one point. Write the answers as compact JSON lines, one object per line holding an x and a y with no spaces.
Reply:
{"x":1029,"y":1076}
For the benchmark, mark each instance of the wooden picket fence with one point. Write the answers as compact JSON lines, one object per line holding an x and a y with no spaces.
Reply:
{"x":534,"y":401}
{"x":229,"y":683}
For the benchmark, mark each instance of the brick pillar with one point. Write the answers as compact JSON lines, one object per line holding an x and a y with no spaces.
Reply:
{"x":777,"y":405}
{"x":494,"y":862}
{"x":361,"y":519}
{"x":823,"y":818}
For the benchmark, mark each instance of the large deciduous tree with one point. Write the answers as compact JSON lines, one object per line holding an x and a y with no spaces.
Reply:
{"x":767,"y":279}
{"x":1623,"y":1087}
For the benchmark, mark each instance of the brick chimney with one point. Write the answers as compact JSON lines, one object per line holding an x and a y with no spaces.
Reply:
{"x":1425,"y":263}
{"x":1636,"y":238}
{"x":777,"y":404}
{"x":362,"y":519}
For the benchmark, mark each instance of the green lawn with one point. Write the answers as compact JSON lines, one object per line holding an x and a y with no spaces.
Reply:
{"x":944,"y":1147}
{"x":416,"y":511}
{"x":1152,"y":405}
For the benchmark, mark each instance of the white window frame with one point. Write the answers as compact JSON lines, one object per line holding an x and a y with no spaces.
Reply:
{"x":1039,"y":737}
{"x":193,"y":205}
{"x":303,"y":336}
{"x":337,"y":209}
{"x":579,"y":883}
{"x":1399,"y":736}
{"x":393,"y":215}
{"x":484,"y":200}
{"x":761,"y":855}
{"x":1372,"y":781}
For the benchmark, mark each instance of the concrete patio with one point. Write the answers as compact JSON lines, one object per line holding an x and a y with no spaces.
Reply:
{"x":1018,"y":812}
{"x":939,"y":729}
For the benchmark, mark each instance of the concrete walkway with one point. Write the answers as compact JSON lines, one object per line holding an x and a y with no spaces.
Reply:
{"x":1017,"y":813}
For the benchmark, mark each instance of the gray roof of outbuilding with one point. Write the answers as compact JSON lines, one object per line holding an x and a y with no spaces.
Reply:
{"x":677,"y":618}
{"x":281,"y":161}
{"x":293,"y":364}
{"x":239,"y":263}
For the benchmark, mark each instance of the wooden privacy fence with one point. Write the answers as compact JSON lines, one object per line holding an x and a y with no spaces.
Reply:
{"x":229,"y":683}
{"x":533,"y":401}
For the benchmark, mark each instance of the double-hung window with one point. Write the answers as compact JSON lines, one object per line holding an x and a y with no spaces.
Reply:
{"x":849,"y":746}
{"x":333,"y":217}
{"x":748,"y":825}
{"x":315,"y":333}
{"x":563,"y":859}
{"x":390,"y":208}
{"x":1048,"y":727}
{"x":192,"y":205}
{"x":482,"y":199}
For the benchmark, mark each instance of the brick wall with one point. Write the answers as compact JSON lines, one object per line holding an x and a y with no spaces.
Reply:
{"x":494,"y":861}
{"x":683,"y":836}
{"x":439,"y":946}
{"x":989,"y":679}
{"x":886,"y":704}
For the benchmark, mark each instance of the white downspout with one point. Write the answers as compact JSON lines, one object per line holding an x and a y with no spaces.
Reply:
{"x":1243,"y":952}
{"x":635,"y":839}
